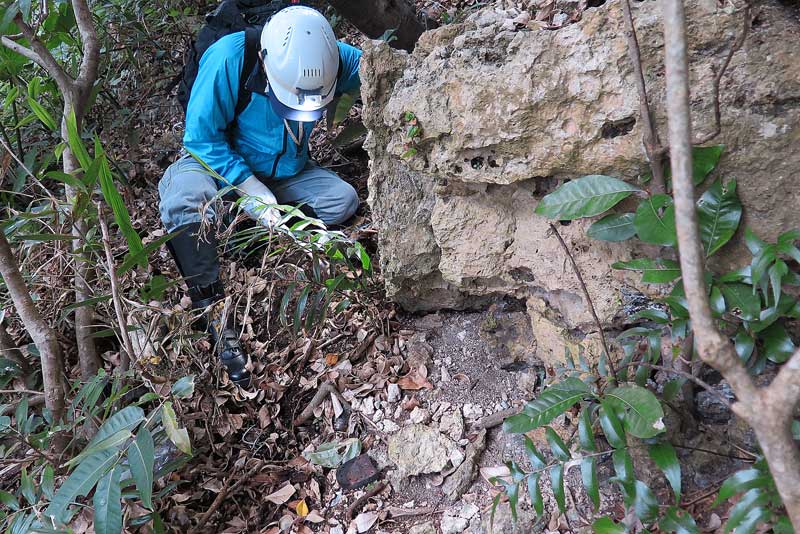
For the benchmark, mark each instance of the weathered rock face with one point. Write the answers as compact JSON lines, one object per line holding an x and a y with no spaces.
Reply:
{"x":505,"y":116}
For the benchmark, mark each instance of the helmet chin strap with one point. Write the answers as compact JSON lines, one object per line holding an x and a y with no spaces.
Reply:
{"x":296,"y":139}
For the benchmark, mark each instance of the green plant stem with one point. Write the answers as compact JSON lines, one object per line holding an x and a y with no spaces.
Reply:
{"x":589,"y":303}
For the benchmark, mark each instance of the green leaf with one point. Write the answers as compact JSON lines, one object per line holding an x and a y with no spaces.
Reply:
{"x":589,"y":478}
{"x":654,"y":271}
{"x":585,"y":197}
{"x":776,"y":272}
{"x":410,"y":153}
{"x":612,"y":426}
{"x":114,"y":441}
{"x":137,"y":258}
{"x":48,"y":483}
{"x":535,"y":457}
{"x":287,"y":296}
{"x":613,"y":228}
{"x":585,"y":432}
{"x":42,"y":114}
{"x":744,"y":344}
{"x":643,"y":412}
{"x":535,"y":493}
{"x":677,"y":521}
{"x":334,"y":453}
{"x":663,"y":454}
{"x":512,"y":491}
{"x":343,"y":107}
{"x":704,"y":160}
{"x":748,"y":510}
{"x":741,"y":301}
{"x":76,"y":143}
{"x":8,"y":499}
{"x":121,"y":215}
{"x":80,"y":482}
{"x":655,"y":221}
{"x":125,"y":419}
{"x":645,"y":504}
{"x":740,"y":482}
{"x":184,"y":388}
{"x":623,"y":465}
{"x":778,"y":346}
{"x":141,"y":458}
{"x":605,"y":525}
{"x":553,"y":401}
{"x":557,"y":483}
{"x":783,"y":526}
{"x":719,"y":212}
{"x":107,"y":504}
{"x":557,"y":445}
{"x":26,"y":487}
{"x":180,"y":437}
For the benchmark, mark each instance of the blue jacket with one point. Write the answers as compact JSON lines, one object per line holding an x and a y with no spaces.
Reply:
{"x":257,"y":143}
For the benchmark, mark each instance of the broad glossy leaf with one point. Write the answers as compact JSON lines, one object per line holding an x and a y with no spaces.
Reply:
{"x":107,"y":504}
{"x":744,"y":344}
{"x":614,"y":228}
{"x":719,"y":212}
{"x":8,"y":499}
{"x":655,"y":221}
{"x":557,"y":445}
{"x":585,"y":197}
{"x":623,"y":465}
{"x":535,"y":457}
{"x":557,"y":483}
{"x":704,"y":160}
{"x":512,"y":491}
{"x":783,"y":526}
{"x":748,"y":510}
{"x":125,"y":419}
{"x":778,"y":346}
{"x":184,"y":387}
{"x":553,"y":401}
{"x":645,"y":503}
{"x":113,"y":442}
{"x":589,"y":478}
{"x":612,"y":426}
{"x":585,"y":432}
{"x":26,"y":487}
{"x":605,"y":525}
{"x":740,"y":300}
{"x":663,"y":454}
{"x":141,"y":458}
{"x":643,"y":413}
{"x":535,"y":493}
{"x":178,"y":436}
{"x":740,"y":482}
{"x":80,"y":482}
{"x":776,"y":272}
{"x":654,"y":271}
{"x":678,"y":522}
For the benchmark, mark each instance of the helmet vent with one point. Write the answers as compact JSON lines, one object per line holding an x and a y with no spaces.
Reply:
{"x":287,"y":36}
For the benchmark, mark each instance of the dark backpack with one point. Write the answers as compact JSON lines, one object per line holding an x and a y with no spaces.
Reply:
{"x":231,"y":16}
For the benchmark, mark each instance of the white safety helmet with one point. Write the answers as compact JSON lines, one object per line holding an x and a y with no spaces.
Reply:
{"x":301,"y":59}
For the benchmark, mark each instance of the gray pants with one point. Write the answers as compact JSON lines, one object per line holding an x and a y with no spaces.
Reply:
{"x":186,"y":187}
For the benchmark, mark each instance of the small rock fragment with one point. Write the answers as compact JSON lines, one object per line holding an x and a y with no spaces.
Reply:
{"x":393,"y":393}
{"x":453,"y":524}
{"x":389,"y":426}
{"x":423,"y":528}
{"x":452,"y":424}
{"x":419,"y":449}
{"x":419,"y":416}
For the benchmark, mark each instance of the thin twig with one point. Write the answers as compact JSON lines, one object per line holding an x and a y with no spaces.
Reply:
{"x":652,"y":145}
{"x":495,"y":419}
{"x":328,"y":388}
{"x":361,"y":501}
{"x":737,"y":44}
{"x":125,"y":359}
{"x":227,"y":489}
{"x":589,"y":302}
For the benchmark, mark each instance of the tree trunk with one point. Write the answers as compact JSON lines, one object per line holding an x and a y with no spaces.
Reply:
{"x":373,"y":18}
{"x":43,"y":336}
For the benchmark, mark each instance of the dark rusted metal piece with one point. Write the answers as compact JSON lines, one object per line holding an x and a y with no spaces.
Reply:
{"x":357,"y":472}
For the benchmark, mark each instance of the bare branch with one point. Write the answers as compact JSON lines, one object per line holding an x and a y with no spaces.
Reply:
{"x":43,"y":336}
{"x":588,"y":302}
{"x":768,"y":411}
{"x":652,"y":144}
{"x":125,"y":359}
{"x":91,"y":50}
{"x":737,"y":44}
{"x":39,"y":53}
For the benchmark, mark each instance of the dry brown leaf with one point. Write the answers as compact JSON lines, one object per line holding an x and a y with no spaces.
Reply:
{"x":282,"y":495}
{"x":331,"y":359}
{"x":414,"y":381}
{"x":365,"y":521}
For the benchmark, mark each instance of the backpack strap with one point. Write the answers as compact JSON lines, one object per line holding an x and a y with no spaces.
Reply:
{"x":252,"y":39}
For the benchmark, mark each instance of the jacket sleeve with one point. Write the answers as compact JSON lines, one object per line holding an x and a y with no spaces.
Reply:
{"x":348,"y":80}
{"x":212,"y":106}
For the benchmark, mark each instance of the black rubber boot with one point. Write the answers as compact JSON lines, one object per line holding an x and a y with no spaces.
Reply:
{"x":199,"y":265}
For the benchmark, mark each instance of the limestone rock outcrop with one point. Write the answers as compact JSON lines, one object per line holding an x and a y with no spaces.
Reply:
{"x":504,"y":116}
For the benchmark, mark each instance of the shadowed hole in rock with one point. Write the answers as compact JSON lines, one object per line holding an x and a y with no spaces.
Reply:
{"x":493,"y":163}
{"x":595,"y":3}
{"x":477,"y":162}
{"x":618,"y":128}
